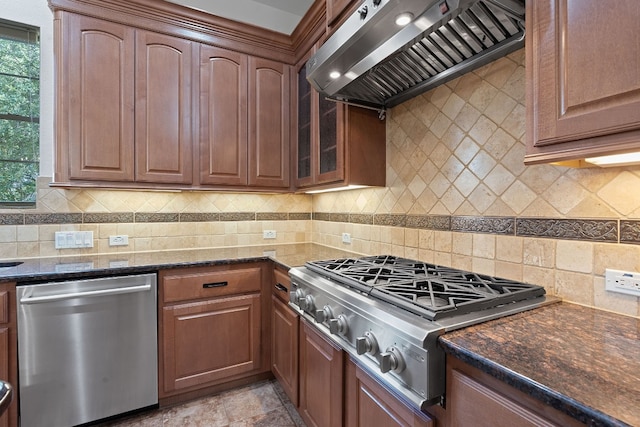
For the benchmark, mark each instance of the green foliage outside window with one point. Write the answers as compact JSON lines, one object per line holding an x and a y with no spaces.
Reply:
{"x":19,"y":114}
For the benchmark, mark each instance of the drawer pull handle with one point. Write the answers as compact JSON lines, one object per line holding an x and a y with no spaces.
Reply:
{"x":281,"y":287}
{"x":215,"y":285}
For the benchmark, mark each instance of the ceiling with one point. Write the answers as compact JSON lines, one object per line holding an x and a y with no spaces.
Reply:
{"x":277,"y":15}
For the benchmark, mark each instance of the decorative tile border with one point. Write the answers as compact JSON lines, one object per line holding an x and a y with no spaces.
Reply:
{"x":395,"y":220}
{"x":11,"y":219}
{"x":156,"y":217}
{"x":486,"y":224}
{"x":573,"y":229}
{"x":361,"y":218}
{"x":430,"y":222}
{"x":145,"y":217}
{"x":594,"y":230}
{"x":55,"y":218}
{"x":271,"y":216}
{"x":199,"y":217}
{"x":630,"y":231}
{"x":106,"y":218}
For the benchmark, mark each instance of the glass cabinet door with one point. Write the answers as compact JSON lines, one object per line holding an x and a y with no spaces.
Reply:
{"x":304,"y":126}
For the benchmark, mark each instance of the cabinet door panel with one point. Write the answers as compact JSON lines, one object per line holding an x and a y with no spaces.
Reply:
{"x":472,"y":403}
{"x":304,"y":156}
{"x":321,"y":379}
{"x":100,"y":104}
{"x":284,"y":348}
{"x":583,"y":78}
{"x":4,"y":371}
{"x":163,"y":109}
{"x":331,"y":141}
{"x":367,"y":403}
{"x":269,"y":100}
{"x":209,"y":341}
{"x":223,"y":117}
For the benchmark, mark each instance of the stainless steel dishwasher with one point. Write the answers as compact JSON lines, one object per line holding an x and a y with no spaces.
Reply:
{"x":87,"y":349}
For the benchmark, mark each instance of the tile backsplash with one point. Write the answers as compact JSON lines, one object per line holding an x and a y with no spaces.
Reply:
{"x":152,"y":220}
{"x":459,"y":194}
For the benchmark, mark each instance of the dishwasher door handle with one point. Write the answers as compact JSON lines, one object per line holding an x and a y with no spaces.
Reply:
{"x":71,"y":295}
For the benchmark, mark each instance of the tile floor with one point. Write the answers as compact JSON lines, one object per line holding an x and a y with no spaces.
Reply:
{"x":260,"y":404}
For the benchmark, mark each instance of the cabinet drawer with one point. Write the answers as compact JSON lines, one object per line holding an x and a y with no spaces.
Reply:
{"x":184,"y":285}
{"x":281,"y":285}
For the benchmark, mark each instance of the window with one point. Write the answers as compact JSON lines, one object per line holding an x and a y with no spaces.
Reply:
{"x":19,"y":114}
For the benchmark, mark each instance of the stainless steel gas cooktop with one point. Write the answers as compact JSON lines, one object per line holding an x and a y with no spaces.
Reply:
{"x":388,"y":312}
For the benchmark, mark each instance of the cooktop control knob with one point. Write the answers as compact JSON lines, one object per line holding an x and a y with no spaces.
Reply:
{"x":307,"y":304}
{"x":324,"y":315}
{"x":391,"y":360}
{"x":376,"y":3}
{"x":338,"y":325}
{"x":367,"y":344}
{"x":296,"y":296}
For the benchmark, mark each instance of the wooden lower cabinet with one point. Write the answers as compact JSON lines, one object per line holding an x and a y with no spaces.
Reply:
{"x":477,"y":399}
{"x":368,"y":403}
{"x":214,"y":328}
{"x":284,"y":338}
{"x":321,"y":379}
{"x":9,"y":349}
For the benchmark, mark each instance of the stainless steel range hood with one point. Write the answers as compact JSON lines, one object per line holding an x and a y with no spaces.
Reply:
{"x":379,"y":64}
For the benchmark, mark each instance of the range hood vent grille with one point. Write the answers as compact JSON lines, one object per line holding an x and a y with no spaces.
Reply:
{"x":472,"y":35}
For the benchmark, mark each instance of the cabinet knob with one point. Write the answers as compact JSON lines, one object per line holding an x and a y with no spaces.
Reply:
{"x":391,"y":360}
{"x":367,"y":344}
{"x":338,"y":325}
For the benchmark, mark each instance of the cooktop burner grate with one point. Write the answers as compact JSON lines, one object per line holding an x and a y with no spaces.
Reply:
{"x":429,"y":290}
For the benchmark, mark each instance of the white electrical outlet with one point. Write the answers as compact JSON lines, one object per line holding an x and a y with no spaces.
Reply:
{"x":346,"y":238}
{"x":119,"y":240}
{"x":269,"y":234}
{"x":625,"y":282}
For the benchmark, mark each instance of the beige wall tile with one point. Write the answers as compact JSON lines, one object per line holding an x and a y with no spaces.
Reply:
{"x":575,"y":287}
{"x":509,"y":248}
{"x":539,"y":252}
{"x":574,"y":256}
{"x":612,"y":301}
{"x":462,"y":243}
{"x":484,"y":246}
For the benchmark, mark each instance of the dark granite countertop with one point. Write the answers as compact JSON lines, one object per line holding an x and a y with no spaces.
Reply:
{"x":55,"y":268}
{"x":582,"y":361}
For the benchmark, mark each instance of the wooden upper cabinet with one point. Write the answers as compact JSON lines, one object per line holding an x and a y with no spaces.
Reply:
{"x":583,"y":79}
{"x":335,"y":8}
{"x":163,"y":108}
{"x":96,"y":101}
{"x":223,"y":116}
{"x":140,"y":109}
{"x":336,"y":144}
{"x":269,"y":101}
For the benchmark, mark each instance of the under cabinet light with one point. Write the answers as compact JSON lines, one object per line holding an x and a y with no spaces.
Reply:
{"x":347,"y":187}
{"x":615,"y":160}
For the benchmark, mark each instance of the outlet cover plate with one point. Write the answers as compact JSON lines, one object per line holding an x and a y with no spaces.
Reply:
{"x":119,"y":240}
{"x":624,"y":282}
{"x":346,"y":238}
{"x":269,"y":234}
